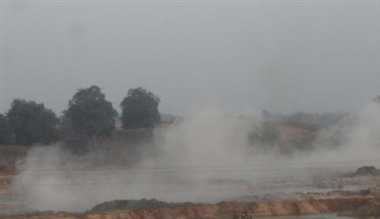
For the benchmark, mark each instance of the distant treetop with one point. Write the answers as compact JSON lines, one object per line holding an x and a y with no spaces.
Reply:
{"x":31,"y":123}
{"x":140,"y":109}
{"x":88,"y":116}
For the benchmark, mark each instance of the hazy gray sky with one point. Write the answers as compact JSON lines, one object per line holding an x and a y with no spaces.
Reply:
{"x":280,"y":55}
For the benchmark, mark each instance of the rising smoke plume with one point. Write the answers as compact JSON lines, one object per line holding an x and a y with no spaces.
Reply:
{"x":206,"y":158}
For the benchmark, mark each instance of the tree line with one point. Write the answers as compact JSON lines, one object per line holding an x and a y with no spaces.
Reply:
{"x":88,"y":117}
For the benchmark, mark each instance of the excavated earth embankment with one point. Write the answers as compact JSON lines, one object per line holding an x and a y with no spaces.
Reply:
{"x":224,"y":210}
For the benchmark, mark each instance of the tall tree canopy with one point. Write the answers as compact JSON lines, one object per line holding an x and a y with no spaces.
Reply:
{"x":140,"y":109}
{"x":31,"y":123}
{"x":89,"y":115}
{"x":5,"y":131}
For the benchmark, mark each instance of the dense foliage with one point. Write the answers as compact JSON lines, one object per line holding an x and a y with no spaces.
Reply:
{"x":31,"y":123}
{"x":89,"y":116}
{"x":5,"y":131}
{"x":140,"y":109}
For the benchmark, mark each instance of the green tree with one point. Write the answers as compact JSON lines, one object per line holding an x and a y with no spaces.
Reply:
{"x":88,"y":117}
{"x":140,"y":109}
{"x":32,"y":123}
{"x":5,"y":130}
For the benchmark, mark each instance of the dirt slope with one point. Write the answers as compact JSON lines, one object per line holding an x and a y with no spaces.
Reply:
{"x":225,"y":210}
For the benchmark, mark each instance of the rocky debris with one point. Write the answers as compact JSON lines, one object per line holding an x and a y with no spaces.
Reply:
{"x":372,"y":209}
{"x":228,"y":210}
{"x":327,"y":182}
{"x":335,"y":194}
{"x":366,"y":171}
{"x":135,"y":205}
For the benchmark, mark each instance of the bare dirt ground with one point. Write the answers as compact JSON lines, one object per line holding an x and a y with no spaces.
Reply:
{"x":275,"y":195}
{"x":224,"y":210}
{"x":8,"y":160}
{"x":6,"y":202}
{"x":332,"y":201}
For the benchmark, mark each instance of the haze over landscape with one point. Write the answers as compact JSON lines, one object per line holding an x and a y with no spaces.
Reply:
{"x":282,"y":56}
{"x":191,"y":109}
